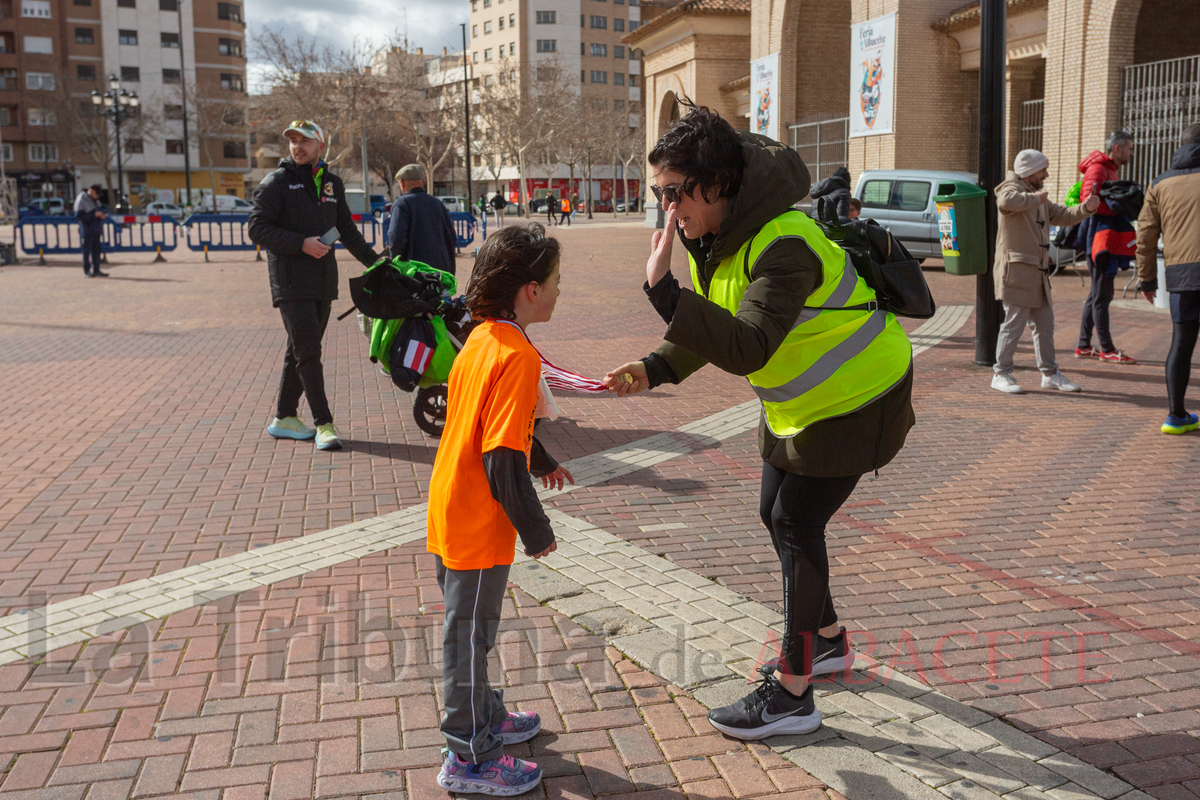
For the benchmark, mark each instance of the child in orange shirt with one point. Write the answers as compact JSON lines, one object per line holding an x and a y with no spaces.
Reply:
{"x":481,"y":498}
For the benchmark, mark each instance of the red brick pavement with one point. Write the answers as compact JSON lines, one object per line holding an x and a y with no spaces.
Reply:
{"x":329,"y":686}
{"x":1062,"y":519}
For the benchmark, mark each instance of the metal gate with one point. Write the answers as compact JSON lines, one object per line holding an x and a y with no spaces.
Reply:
{"x":822,"y":145}
{"x":1029,"y":132}
{"x":1158,"y":101}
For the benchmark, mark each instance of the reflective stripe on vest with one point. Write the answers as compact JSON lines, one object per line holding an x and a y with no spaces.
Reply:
{"x":833,"y":361}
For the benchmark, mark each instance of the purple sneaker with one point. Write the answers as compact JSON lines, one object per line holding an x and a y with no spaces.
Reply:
{"x":519,"y":727}
{"x":505,"y":776}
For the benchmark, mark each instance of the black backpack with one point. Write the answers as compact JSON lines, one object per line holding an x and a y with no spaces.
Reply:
{"x":882,"y":261}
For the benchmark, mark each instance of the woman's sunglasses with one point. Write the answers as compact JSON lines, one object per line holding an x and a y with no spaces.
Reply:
{"x":669,"y":194}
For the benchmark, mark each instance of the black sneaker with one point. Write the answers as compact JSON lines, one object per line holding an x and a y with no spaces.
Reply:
{"x":767,"y":711}
{"x":830,"y":656}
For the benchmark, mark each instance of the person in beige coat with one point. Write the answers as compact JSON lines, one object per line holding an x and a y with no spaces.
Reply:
{"x":1022,"y":269}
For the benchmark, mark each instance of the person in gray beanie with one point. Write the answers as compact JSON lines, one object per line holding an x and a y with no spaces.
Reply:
{"x":1022,"y":268}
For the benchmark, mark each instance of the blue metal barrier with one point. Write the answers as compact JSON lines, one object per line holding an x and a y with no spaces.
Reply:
{"x":370,"y":230}
{"x":143,"y":234}
{"x":464,"y":228}
{"x":217,"y":232}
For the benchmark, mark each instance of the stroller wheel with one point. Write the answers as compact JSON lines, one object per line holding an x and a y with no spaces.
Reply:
{"x":429,"y":409}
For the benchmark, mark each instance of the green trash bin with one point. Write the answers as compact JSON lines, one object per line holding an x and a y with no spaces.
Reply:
{"x":961,"y":227}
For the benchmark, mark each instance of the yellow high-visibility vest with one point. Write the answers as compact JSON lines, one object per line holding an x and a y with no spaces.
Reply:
{"x":834,"y":361}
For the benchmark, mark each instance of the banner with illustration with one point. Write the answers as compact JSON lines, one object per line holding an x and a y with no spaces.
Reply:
{"x":872,"y":75}
{"x":764,"y":96}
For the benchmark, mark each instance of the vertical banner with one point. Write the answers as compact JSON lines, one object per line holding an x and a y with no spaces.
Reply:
{"x":872,"y":75}
{"x":764,"y":96}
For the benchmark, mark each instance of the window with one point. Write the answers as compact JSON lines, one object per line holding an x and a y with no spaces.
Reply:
{"x":875,"y":194}
{"x":502,"y":23}
{"x":83,"y":2}
{"x":512,"y":48}
{"x":137,"y":176}
{"x":474,"y":31}
{"x":618,"y":24}
{"x":633,"y":23}
{"x":43,"y":152}
{"x":38,"y":9}
{"x":127,"y":3}
{"x":583,"y":20}
{"x":600,"y":22}
{"x":235,"y":149}
{"x":487,"y":28}
{"x":230,"y":12}
{"x":633,"y":79}
{"x":600,"y":50}
{"x":127,"y":37}
{"x":910,"y":195}
{"x":618,"y":105}
{"x":475,"y":57}
{"x":170,"y":76}
{"x":6,"y":151}
{"x":43,"y":81}
{"x":233,"y":82}
{"x":599,"y":76}
{"x":172,"y":111}
{"x":474,"y":5}
{"x":8,"y":79}
{"x":547,"y":17}
{"x":174,"y":147}
{"x":229,"y":47}
{"x":487,"y":80}
{"x":84,"y":36}
{"x":43,"y":45}
{"x":7,"y":44}
{"x":618,"y":79}
{"x":168,"y":5}
{"x":134,"y":144}
{"x":487,"y":54}
{"x":512,"y":20}
{"x":169,"y":39}
{"x":85,"y":72}
{"x":5,"y":116}
{"x":42,"y":117}
{"x":131,"y":74}
{"x":618,"y":51}
{"x":487,"y":3}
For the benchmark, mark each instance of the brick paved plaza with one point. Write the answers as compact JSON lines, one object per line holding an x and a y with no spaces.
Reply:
{"x":191,"y":608}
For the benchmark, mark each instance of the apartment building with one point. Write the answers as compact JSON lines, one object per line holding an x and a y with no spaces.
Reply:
{"x":55,"y":53}
{"x":528,"y":32}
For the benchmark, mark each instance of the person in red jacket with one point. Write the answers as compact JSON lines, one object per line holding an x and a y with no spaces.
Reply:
{"x":1097,"y":168}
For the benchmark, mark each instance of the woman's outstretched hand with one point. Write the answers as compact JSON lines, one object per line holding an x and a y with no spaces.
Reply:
{"x":659,"y":263}
{"x":628,"y":378}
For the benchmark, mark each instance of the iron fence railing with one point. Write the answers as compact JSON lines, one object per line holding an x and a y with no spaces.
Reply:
{"x":1158,"y":101}
{"x":1029,"y":125}
{"x":823,"y":145}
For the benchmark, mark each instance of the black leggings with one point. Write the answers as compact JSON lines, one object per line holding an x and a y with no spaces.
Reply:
{"x":1179,"y":364}
{"x":795,"y":509}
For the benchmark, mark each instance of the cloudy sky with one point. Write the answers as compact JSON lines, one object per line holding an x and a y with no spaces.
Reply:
{"x":432,"y":24}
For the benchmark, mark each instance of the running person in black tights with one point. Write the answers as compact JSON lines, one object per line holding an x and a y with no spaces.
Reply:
{"x":779,"y":303}
{"x":1172,"y":208}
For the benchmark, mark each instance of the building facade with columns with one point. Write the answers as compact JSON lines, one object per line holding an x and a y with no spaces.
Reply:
{"x":1076,"y":69}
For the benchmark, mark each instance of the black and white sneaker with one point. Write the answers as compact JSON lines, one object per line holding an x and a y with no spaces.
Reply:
{"x":770,"y":710}
{"x":830,"y":656}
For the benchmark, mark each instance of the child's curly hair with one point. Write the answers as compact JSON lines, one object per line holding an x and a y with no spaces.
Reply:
{"x":510,"y":258}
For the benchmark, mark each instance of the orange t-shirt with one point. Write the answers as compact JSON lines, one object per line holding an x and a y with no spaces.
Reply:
{"x":493,"y":392}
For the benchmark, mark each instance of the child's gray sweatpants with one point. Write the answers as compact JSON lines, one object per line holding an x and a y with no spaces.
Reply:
{"x":473,"y":600}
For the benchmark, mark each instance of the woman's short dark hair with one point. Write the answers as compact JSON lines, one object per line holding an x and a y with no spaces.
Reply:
{"x":705,"y":148}
{"x":510,"y":258}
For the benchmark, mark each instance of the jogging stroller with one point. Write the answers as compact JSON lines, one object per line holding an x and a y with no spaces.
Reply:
{"x":416,"y":327}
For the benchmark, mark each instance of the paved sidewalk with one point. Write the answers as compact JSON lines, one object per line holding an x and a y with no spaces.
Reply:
{"x":1027,"y":563}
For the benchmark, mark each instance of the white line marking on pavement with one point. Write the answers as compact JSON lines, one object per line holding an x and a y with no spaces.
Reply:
{"x":33,"y":632}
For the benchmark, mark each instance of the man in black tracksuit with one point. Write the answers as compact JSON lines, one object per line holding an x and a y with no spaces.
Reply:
{"x":294,"y":207}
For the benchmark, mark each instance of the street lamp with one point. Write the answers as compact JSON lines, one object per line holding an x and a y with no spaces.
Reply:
{"x":116,"y":104}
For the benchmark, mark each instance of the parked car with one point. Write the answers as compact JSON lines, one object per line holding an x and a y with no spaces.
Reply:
{"x":901,"y":200}
{"x":48,"y":206}
{"x":166,"y":209}
{"x":379,"y":203}
{"x":453,"y":203}
{"x":621,"y":204}
{"x":537,"y":205}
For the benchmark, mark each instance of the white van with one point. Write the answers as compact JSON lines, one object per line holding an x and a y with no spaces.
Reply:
{"x":901,"y":200}
{"x":225,"y":204}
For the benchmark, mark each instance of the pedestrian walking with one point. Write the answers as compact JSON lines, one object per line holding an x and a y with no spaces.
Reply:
{"x":778,"y":302}
{"x":481,"y":498}
{"x":565,"y":211}
{"x":295,"y":206}
{"x":1172,"y":208}
{"x":91,"y":215}
{"x":498,"y":205}
{"x":1021,"y":268}
{"x":420,"y":227}
{"x":1110,"y":245}
{"x":835,"y":188}
{"x":551,"y":208}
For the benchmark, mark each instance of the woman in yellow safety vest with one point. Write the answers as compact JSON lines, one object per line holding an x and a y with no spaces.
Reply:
{"x":774,"y":300}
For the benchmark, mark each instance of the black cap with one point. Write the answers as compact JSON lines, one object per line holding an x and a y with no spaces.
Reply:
{"x":97,"y":187}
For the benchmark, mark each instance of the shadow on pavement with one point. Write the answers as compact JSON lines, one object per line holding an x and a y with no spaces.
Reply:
{"x":415,"y":454}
